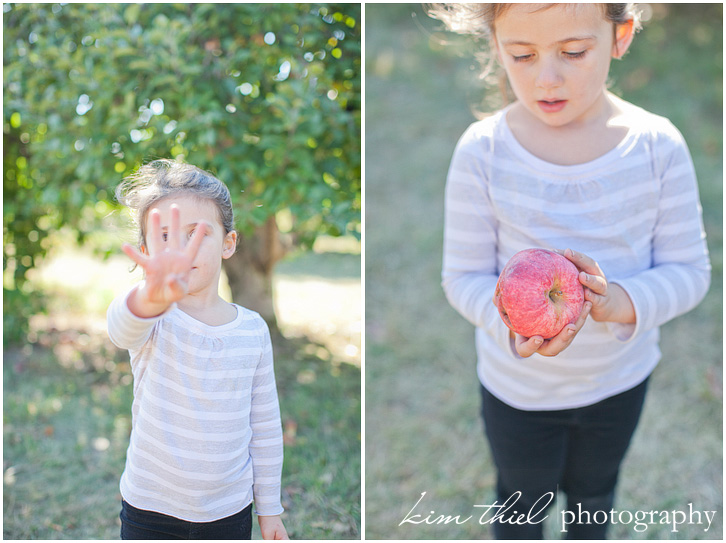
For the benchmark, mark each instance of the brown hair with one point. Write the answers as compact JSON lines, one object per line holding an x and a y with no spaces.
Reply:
{"x":478,"y":20}
{"x":161,"y":178}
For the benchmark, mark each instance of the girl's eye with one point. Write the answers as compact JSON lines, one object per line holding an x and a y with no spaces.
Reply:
{"x":164,"y":236}
{"x":569,"y":54}
{"x":521,"y":58}
{"x":575,"y":55}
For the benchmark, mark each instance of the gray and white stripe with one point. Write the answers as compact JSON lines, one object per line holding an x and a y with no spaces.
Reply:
{"x":206,"y":435}
{"x":635,"y":210}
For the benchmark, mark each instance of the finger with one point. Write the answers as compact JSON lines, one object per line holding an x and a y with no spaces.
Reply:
{"x":596,"y":283}
{"x":569,"y":332}
{"x":594,"y":298}
{"x":153,"y":239}
{"x":174,"y":233}
{"x":526,"y":347}
{"x":557,"y":344}
{"x":563,"y":340}
{"x":134,"y":254}
{"x":583,"y":262}
{"x":580,"y":322}
{"x":192,"y":247}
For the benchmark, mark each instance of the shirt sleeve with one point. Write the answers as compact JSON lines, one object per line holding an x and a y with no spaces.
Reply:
{"x":470,"y":274}
{"x":266,"y":447}
{"x":681,"y":271}
{"x":126,"y":330}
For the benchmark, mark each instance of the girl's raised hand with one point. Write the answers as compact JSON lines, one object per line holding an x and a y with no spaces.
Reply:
{"x":167,"y":265}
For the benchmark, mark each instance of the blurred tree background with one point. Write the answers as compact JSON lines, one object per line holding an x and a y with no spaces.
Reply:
{"x":423,"y":428}
{"x":265,"y":96}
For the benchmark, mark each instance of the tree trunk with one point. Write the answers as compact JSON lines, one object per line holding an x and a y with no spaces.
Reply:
{"x":249,"y":270}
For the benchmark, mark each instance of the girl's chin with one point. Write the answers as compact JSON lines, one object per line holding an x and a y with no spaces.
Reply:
{"x":552,"y":121}
{"x":555,"y":120}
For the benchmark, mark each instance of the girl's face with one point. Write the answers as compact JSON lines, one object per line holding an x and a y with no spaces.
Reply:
{"x":557,"y":58}
{"x":216,"y":245}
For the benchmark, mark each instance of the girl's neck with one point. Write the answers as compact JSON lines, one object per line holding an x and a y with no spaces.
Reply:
{"x":574,"y":143}
{"x":213,"y":311}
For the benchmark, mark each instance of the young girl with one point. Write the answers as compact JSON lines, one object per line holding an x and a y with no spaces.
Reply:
{"x":571,"y":167}
{"x":206,"y":437}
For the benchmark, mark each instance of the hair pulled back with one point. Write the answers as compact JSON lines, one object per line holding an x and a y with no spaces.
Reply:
{"x":480,"y":19}
{"x":162,"y":178}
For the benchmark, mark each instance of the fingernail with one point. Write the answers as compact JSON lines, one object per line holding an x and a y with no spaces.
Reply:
{"x":538,"y":341}
{"x":570,"y":331}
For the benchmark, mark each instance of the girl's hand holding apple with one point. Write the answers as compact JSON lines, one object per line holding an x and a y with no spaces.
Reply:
{"x":520,"y":290}
{"x":526,"y":347}
{"x":610,"y":302}
{"x":541,"y":300}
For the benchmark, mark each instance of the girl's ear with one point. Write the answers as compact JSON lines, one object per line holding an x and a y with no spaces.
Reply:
{"x":230,"y":244}
{"x":623,"y":38}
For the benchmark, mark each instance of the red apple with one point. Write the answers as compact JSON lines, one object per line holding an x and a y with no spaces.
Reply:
{"x":538,"y":293}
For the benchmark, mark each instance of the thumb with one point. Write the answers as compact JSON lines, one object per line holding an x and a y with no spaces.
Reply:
{"x":526,"y":347}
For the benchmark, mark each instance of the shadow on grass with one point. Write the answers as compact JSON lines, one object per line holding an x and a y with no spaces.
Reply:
{"x":67,"y":420}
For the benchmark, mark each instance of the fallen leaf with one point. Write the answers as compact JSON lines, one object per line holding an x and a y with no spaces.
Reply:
{"x":289,"y":434}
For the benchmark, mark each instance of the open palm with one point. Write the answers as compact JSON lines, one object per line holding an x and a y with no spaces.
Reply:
{"x":169,"y":262}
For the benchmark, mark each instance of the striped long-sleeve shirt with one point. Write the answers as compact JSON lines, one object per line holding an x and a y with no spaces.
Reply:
{"x":635,"y":210}
{"x":206,"y":436}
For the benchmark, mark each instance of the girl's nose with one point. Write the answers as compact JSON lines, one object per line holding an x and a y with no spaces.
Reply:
{"x":549,"y":76}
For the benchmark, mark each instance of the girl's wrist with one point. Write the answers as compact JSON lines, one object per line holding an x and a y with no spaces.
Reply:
{"x":139,"y":304}
{"x":623,"y":309}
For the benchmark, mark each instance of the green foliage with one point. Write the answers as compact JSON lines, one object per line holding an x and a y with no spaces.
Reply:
{"x":266,"y":96}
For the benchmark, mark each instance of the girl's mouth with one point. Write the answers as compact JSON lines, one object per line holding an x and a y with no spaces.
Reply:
{"x":551,"y":106}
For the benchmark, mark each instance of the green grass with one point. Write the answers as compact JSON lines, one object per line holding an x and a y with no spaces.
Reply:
{"x":423,"y":431}
{"x":65,"y":436}
{"x":67,"y":410}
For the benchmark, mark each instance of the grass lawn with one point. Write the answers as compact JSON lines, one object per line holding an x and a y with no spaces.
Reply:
{"x":423,"y":431}
{"x":68,"y":393}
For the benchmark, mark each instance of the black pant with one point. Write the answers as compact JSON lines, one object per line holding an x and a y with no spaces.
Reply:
{"x":139,"y":524}
{"x":578,"y":451}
